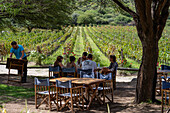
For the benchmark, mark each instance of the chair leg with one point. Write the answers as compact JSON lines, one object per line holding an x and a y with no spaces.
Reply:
{"x":50,"y":104}
{"x":36,"y":102}
{"x":35,"y":99}
{"x":112,"y":97}
{"x":162,"y":101}
{"x":72,"y":104}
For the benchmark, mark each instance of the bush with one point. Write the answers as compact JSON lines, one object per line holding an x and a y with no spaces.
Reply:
{"x":121,"y":19}
{"x":75,"y":18}
{"x":108,"y":15}
{"x":113,"y":23}
{"x":86,"y":19}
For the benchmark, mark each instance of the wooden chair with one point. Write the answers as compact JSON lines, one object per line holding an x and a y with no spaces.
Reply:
{"x":165,"y":92}
{"x":165,"y":67}
{"x":15,"y":64}
{"x":78,"y":72}
{"x":114,"y":78}
{"x":45,"y":92}
{"x":69,"y":95}
{"x":53,"y":71}
{"x":87,"y":74}
{"x":106,"y":88}
{"x":69,"y":72}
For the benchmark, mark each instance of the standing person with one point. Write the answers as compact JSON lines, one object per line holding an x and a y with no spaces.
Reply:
{"x":81,"y":59}
{"x":89,"y":64}
{"x":113,"y":65}
{"x":18,"y":51}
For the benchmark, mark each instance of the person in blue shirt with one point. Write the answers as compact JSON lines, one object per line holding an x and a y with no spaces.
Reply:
{"x":18,"y":51}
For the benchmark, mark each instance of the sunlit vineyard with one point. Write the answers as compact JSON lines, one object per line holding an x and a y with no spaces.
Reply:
{"x":101,"y":41}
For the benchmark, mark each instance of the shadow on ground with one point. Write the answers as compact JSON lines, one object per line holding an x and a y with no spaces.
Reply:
{"x":123,"y":101}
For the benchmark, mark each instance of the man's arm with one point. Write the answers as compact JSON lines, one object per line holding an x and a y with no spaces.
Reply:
{"x":11,"y":55}
{"x":78,"y":61}
{"x":22,"y":54}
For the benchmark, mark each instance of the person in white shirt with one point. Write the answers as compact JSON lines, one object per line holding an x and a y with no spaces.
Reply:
{"x":89,"y":64}
{"x":81,"y":59}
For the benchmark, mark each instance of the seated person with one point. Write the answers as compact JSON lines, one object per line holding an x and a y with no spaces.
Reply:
{"x":81,"y":59}
{"x":71,"y":64}
{"x":113,"y":67}
{"x":57,"y":63}
{"x":89,"y":64}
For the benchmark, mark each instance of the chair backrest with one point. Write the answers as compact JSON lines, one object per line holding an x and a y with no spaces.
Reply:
{"x":165,"y":67}
{"x":107,"y":77}
{"x":69,"y":70}
{"x":165,"y":85}
{"x":61,"y":84}
{"x":54,"y":69}
{"x":78,"y":70}
{"x":42,"y":82}
{"x":86,"y":73}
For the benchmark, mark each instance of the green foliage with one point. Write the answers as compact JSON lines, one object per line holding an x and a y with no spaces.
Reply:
{"x":168,"y":22}
{"x":37,"y":57}
{"x":35,"y":13}
{"x":103,"y":12}
{"x":121,"y":19}
{"x":101,"y":41}
{"x":86,"y":18}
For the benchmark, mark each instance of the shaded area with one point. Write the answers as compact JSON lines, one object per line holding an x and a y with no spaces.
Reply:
{"x":123,"y":100}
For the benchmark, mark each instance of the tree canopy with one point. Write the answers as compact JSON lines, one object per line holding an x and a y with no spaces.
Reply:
{"x":35,"y":13}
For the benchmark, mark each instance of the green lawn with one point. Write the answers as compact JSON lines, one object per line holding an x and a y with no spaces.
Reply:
{"x":9,"y":93}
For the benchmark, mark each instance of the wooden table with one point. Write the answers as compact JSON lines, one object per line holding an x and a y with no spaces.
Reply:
{"x":87,"y":82}
{"x":62,"y":79}
{"x":160,"y":74}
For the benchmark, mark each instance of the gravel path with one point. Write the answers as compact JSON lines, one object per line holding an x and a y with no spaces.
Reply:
{"x":44,"y":72}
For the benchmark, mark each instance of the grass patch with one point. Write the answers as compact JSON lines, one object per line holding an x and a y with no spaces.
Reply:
{"x":9,"y":93}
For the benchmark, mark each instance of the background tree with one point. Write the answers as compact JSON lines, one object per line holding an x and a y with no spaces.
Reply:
{"x":48,"y":14}
{"x":150,"y":19}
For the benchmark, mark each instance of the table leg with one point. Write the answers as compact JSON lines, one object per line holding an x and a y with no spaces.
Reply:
{"x":93,"y":96}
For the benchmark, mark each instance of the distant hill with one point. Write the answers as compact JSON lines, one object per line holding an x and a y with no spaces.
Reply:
{"x":93,"y":13}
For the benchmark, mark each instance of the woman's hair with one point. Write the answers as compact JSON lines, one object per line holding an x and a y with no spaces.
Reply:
{"x":113,"y":57}
{"x":59,"y":58}
{"x":72,"y":58}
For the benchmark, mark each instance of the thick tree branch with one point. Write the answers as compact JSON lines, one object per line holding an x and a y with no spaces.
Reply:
{"x":159,"y":9}
{"x":148,"y":14}
{"x":154,"y":6}
{"x":127,"y":9}
{"x":141,"y":11}
{"x":163,"y":18}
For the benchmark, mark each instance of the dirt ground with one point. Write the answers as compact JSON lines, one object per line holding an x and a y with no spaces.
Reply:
{"x":123,"y":100}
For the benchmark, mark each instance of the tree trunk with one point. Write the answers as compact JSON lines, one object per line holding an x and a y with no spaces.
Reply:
{"x":147,"y":75}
